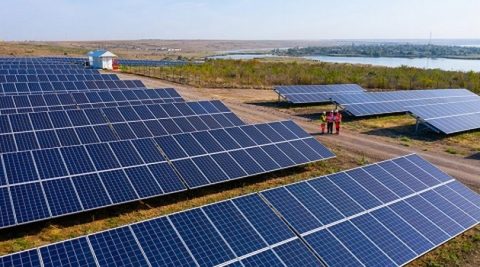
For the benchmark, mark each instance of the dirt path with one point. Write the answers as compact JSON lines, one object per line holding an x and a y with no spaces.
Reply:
{"x":374,"y":147}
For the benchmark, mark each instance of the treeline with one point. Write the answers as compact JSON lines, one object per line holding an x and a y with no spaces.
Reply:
{"x":260,"y":74}
{"x":386,"y":50}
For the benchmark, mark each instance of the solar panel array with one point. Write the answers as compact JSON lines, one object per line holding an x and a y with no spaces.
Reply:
{"x":24,"y":103}
{"x":47,"y":71}
{"x":304,"y":94}
{"x":48,"y":87}
{"x":449,"y":118}
{"x":152,"y":63}
{"x":377,"y":103}
{"x":384,"y":214}
{"x":56,"y":78}
{"x":77,"y":144}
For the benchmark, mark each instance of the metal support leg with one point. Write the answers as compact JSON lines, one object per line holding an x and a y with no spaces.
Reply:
{"x":417,"y":125}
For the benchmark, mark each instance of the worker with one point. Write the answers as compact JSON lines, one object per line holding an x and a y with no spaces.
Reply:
{"x":323,"y":121}
{"x":330,"y":121}
{"x":338,"y":121}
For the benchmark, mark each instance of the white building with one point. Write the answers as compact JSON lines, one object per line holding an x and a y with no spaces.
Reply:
{"x":102,"y":59}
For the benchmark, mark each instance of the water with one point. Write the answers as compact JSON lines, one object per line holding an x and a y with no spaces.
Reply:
{"x":424,"y":63}
{"x":243,"y":56}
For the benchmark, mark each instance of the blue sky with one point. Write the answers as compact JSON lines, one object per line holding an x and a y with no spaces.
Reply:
{"x":237,"y":19}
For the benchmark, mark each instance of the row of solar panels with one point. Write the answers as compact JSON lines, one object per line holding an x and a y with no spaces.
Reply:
{"x":359,"y":104}
{"x":449,"y":118}
{"x":49,"y":87}
{"x":30,"y":131}
{"x":152,"y":63}
{"x":384,"y":214}
{"x":41,"y":66}
{"x":46,"y":183}
{"x":10,"y":104}
{"x":40,"y":60}
{"x":57,"y":78}
{"x":47,"y":71}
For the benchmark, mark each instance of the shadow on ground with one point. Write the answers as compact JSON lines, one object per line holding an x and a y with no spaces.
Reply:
{"x":474,"y":156}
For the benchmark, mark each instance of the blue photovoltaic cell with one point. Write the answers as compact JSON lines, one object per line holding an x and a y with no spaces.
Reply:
{"x":29,"y":202}
{"x":402,"y":230}
{"x":384,"y":239}
{"x":118,"y":186}
{"x":297,"y":215}
{"x":91,"y":191}
{"x":166,"y":177}
{"x":420,"y":223}
{"x":61,"y":197}
{"x":190,"y":173}
{"x":102,"y":156}
{"x":427,"y":166}
{"x":148,"y":150}
{"x":406,"y":178}
{"x":295,"y":253}
{"x":356,"y":242}
{"x":330,"y":249}
{"x":236,"y":230}
{"x":108,"y":253}
{"x":161,"y":244}
{"x":441,"y":220}
{"x":265,"y":221}
{"x":246,"y":162}
{"x":355,"y":191}
{"x":210,"y":169}
{"x":335,"y":195}
{"x":315,"y":203}
{"x":229,"y":166}
{"x":19,"y":167}
{"x":395,"y":185}
{"x":77,"y":160}
{"x":75,"y":252}
{"x":376,"y":188}
{"x":201,"y":238}
{"x":6,"y":213}
{"x":449,"y":209}
{"x":28,"y":258}
{"x":50,"y":163}
{"x":126,"y":153}
{"x":415,"y":171}
{"x":143,"y":181}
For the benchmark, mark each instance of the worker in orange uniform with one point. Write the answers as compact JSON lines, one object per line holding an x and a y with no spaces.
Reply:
{"x":338,"y":121}
{"x":323,"y":121}
{"x":330,"y":121}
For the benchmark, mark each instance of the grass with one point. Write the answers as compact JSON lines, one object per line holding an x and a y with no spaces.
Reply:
{"x":401,"y":130}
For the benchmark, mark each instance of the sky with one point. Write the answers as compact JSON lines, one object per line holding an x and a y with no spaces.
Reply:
{"x":238,"y":19}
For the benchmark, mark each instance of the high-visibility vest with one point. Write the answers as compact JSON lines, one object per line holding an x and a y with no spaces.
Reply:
{"x":323,"y":118}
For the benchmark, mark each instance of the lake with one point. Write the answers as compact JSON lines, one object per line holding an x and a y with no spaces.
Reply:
{"x":424,"y":63}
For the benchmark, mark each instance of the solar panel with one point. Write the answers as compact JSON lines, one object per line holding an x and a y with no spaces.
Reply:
{"x":10,"y":104}
{"x":449,"y":118}
{"x":4,"y":78}
{"x":13,"y":88}
{"x":376,"y":103}
{"x":295,"y":225}
{"x":387,"y":213}
{"x":303,"y":94}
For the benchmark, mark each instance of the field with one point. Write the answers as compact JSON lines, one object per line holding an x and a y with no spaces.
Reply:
{"x":363,"y":141}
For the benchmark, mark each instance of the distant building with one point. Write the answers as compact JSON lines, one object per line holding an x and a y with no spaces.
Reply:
{"x":103,"y":59}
